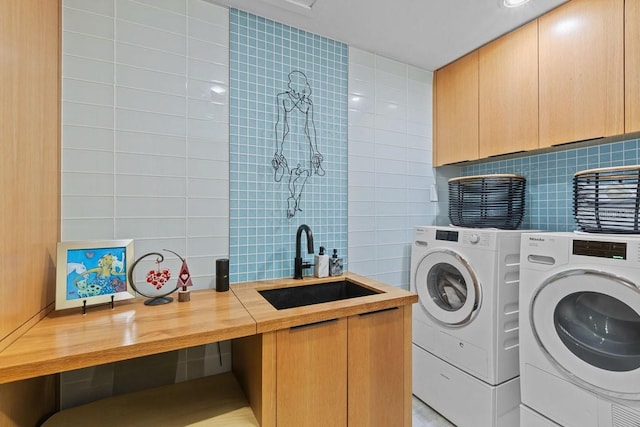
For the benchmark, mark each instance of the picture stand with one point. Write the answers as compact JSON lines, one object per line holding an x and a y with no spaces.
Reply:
{"x":85,"y":306}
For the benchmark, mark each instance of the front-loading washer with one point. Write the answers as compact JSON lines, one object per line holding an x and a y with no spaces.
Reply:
{"x":465,"y":327}
{"x":580,"y":329}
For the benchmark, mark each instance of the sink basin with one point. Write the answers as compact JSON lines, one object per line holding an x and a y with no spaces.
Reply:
{"x":298,"y":296}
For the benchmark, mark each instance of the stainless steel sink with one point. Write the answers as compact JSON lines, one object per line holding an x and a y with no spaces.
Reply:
{"x":298,"y":296}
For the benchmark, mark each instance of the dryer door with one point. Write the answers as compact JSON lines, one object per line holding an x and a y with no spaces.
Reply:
{"x":447,"y":288}
{"x":588,"y":325}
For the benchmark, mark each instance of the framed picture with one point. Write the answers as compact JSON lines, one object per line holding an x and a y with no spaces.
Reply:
{"x":93,"y":272}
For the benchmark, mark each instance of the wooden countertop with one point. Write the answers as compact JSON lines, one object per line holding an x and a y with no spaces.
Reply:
{"x":270,"y":319}
{"x":66,"y":340}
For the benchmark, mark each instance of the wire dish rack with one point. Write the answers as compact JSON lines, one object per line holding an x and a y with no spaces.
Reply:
{"x":487,"y":201}
{"x":606,"y":200}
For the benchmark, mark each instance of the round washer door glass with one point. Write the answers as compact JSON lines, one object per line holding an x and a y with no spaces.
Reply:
{"x":588,"y":324}
{"x":447,"y":288}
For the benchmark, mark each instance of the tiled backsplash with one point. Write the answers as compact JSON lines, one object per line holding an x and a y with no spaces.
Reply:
{"x":268,"y":118}
{"x":145,"y":127}
{"x":550,"y":179}
{"x":390,"y":168}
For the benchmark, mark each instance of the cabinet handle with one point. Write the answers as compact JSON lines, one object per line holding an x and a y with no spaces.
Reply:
{"x":378,"y":311}
{"x":313,"y":324}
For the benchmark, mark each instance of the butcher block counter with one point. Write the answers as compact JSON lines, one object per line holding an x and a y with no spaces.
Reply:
{"x":342,"y":362}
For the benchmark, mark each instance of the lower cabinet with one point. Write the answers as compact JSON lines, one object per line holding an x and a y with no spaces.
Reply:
{"x":351,"y":371}
{"x":311,"y":375}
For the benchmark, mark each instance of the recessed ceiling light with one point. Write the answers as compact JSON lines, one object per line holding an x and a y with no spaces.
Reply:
{"x":514,"y":3}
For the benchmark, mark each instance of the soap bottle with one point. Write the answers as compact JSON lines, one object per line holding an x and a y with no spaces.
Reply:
{"x":321,"y":262}
{"x":335,"y":264}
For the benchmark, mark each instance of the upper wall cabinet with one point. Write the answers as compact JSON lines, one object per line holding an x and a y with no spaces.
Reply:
{"x":632,"y":66}
{"x":581,"y":71}
{"x":456,"y":111}
{"x":508,"y":73}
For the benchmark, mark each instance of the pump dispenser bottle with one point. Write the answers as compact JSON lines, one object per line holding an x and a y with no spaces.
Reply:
{"x":335,"y":264}
{"x":321,"y":262}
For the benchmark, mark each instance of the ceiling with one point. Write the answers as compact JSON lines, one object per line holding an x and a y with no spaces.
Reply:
{"x":424,"y":33}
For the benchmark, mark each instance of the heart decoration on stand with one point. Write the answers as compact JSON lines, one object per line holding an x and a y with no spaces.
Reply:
{"x":159,"y":277}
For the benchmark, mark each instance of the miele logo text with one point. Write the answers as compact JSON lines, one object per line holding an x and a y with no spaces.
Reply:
{"x":536,"y":239}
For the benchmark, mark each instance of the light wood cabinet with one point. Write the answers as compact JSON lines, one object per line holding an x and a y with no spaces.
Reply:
{"x":311,"y":375}
{"x":581,"y":71}
{"x":456,"y":111}
{"x":377,"y":370}
{"x":632,"y":66}
{"x":508,"y":93}
{"x":353,"y":371}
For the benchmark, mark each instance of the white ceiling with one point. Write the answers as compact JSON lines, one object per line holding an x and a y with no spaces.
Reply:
{"x":424,"y":33}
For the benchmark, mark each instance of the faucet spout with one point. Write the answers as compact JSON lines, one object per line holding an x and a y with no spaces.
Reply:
{"x":298,"y":264}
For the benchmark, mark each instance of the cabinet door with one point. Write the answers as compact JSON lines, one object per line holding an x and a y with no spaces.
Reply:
{"x":456,"y":111}
{"x":581,"y":71}
{"x":377,"y":369}
{"x":508,"y":93}
{"x":632,"y":66}
{"x":311,"y":375}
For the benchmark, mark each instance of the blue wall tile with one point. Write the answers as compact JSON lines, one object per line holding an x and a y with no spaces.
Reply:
{"x":549,"y":177}
{"x":262,"y":236}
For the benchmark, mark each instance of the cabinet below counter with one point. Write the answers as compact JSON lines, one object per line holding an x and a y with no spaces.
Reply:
{"x":340,"y":363}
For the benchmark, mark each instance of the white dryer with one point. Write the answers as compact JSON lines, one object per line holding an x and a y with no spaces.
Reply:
{"x":580,"y":329}
{"x":465,"y":327}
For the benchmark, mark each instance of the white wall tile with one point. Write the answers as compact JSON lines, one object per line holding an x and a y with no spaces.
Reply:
{"x":149,"y":37}
{"x":150,"y":165}
{"x":88,"y":138}
{"x":389,"y":165}
{"x":168,"y":5}
{"x":139,"y":78}
{"x":82,"y":91}
{"x":89,"y":161}
{"x":155,"y":102}
{"x":79,"y":21}
{"x":146,"y":207}
{"x":210,"y":33}
{"x":102,"y":7}
{"x":206,"y":11}
{"x":141,"y":121}
{"x":209,"y":52}
{"x":87,"y":69}
{"x":87,"y":115}
{"x":150,"y":227}
{"x":87,"y":229}
{"x":151,"y":59}
{"x":207,"y":110}
{"x":143,"y":143}
{"x":86,"y":206}
{"x":150,"y":16}
{"x":140,"y":185}
{"x":87,"y":46}
{"x":87,"y":184}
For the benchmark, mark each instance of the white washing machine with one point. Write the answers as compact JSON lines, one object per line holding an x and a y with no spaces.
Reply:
{"x":465,"y":327}
{"x":580,"y":329}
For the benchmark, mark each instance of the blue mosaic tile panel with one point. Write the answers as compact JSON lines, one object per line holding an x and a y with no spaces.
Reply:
{"x":288,"y":145}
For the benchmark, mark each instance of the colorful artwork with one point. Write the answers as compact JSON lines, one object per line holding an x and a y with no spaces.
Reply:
{"x":93,"y":272}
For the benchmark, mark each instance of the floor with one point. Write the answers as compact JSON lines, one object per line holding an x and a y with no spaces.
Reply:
{"x":424,"y":416}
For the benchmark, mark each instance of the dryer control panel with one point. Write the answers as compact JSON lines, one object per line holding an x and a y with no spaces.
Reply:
{"x":601,"y":249}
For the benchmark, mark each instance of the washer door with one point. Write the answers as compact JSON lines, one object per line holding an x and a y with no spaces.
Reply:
{"x":447,"y":288}
{"x":588,"y":325}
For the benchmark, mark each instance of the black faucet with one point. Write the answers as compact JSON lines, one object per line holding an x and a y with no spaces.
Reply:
{"x":298,"y":265}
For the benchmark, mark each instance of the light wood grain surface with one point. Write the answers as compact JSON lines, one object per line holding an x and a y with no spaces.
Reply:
{"x":270,"y":319}
{"x":581,"y":71}
{"x":632,"y":66}
{"x":456,"y":111}
{"x":68,"y":340}
{"x":509,"y":93}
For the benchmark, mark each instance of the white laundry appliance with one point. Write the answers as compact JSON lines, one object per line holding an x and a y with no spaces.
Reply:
{"x":580,"y":330}
{"x":465,"y":327}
